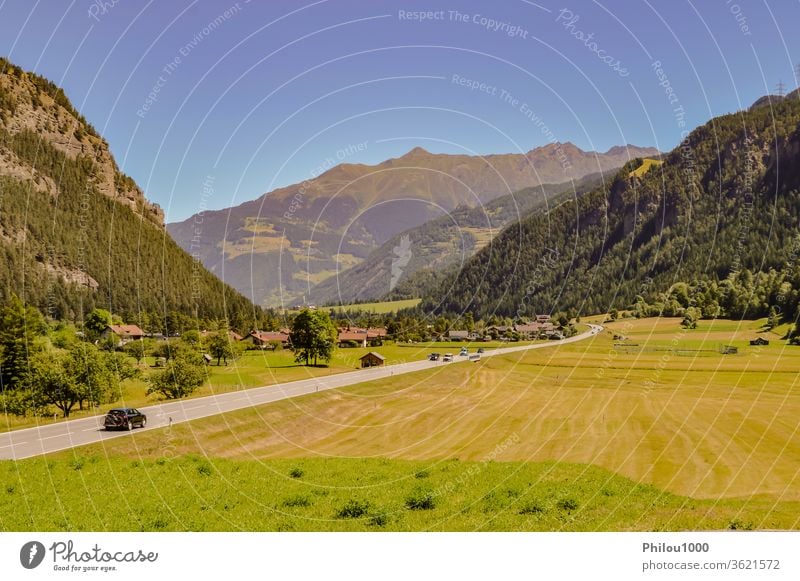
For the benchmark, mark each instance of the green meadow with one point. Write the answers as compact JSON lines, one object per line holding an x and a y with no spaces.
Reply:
{"x":79,"y":492}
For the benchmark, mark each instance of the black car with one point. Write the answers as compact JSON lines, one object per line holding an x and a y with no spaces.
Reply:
{"x":433,"y":357}
{"x":480,"y":350}
{"x":124,"y":418}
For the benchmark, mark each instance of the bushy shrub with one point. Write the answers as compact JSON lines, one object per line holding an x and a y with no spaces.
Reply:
{"x":739,"y":525}
{"x":533,"y":507}
{"x":299,"y":500}
{"x":353,"y":509}
{"x":421,"y":499}
{"x":379,"y":519}
{"x":567,"y":504}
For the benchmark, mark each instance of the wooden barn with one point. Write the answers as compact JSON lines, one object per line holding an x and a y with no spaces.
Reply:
{"x":372,"y":359}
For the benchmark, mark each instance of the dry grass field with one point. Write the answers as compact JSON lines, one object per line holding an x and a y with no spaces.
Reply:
{"x":662,"y":407}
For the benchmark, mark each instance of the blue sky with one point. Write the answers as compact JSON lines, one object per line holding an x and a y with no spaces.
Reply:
{"x":254,"y":95}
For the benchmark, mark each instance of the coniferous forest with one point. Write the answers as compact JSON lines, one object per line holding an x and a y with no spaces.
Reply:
{"x":714,"y":229}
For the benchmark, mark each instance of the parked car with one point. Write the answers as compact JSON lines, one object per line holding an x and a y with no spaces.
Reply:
{"x":125,"y":419}
{"x":448,"y":357}
{"x":433,"y":357}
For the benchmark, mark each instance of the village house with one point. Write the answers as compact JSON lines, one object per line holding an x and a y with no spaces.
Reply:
{"x":759,"y":341}
{"x":535,"y":330}
{"x":262,"y":339}
{"x":352,"y":338}
{"x":122,"y":333}
{"x":497,"y":331}
{"x":376,"y":335}
{"x":358,"y":336}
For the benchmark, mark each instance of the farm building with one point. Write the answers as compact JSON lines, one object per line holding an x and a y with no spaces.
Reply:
{"x":351,"y":338}
{"x":759,"y":341}
{"x":372,"y":359}
{"x":458,"y":335}
{"x":356,"y":336}
{"x":376,"y":335}
{"x":535,"y":330}
{"x":123,"y":333}
{"x":262,"y":339}
{"x":497,"y":329}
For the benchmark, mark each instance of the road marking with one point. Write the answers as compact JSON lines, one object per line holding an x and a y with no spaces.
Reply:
{"x":57,"y":436}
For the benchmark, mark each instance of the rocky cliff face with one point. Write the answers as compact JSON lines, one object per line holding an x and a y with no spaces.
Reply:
{"x":31,"y":103}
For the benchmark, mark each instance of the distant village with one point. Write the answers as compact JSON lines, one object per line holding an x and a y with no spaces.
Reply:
{"x":542,"y":327}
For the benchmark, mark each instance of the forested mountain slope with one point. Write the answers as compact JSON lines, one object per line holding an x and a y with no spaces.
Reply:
{"x":440,"y":244}
{"x":723,"y":207}
{"x":75,"y":232}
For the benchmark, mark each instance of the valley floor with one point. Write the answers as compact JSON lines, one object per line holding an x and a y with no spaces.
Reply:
{"x":653,"y":431}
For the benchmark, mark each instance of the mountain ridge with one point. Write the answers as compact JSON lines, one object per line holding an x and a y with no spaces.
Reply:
{"x":275,"y":248}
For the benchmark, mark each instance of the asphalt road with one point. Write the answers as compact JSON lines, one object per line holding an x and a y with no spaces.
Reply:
{"x":30,"y":442}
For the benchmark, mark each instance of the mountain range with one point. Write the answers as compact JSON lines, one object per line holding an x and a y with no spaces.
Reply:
{"x":277,"y":248}
{"x":405,"y":262}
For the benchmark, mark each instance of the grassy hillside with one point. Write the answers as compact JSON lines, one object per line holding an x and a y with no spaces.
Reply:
{"x":75,"y":232}
{"x":380,"y":307}
{"x":724,"y":202}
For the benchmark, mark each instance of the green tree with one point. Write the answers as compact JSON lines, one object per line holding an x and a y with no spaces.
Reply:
{"x":20,"y":326}
{"x":51,"y":381}
{"x":168,"y":348}
{"x":221,"y":347}
{"x":313,"y":336}
{"x":469,"y":322}
{"x":690,"y":318}
{"x":191,"y":337}
{"x":773,"y":319}
{"x":96,"y":322}
{"x":183,"y":374}
{"x":138,"y":349}
{"x":98,"y":374}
